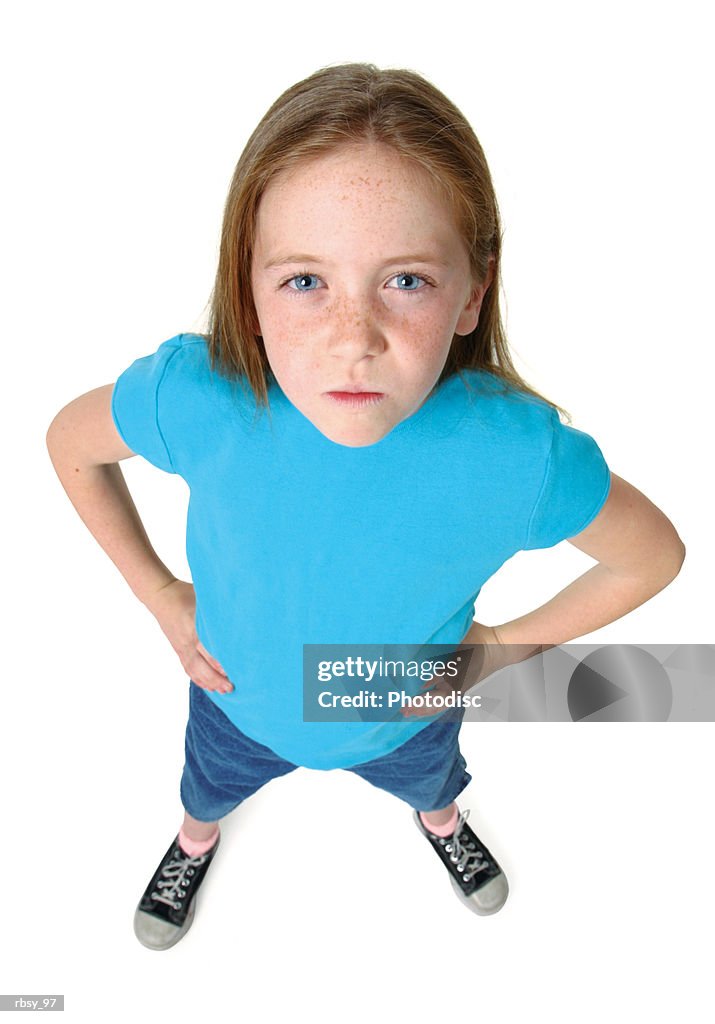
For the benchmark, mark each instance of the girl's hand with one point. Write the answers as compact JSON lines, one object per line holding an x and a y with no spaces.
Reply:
{"x":441,"y":686}
{"x":485,"y":660}
{"x":174,"y":608}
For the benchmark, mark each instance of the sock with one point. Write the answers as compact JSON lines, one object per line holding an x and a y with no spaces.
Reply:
{"x":194,"y":848}
{"x":441,"y":830}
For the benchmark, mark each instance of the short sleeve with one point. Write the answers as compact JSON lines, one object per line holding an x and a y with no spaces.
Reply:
{"x":574,"y":489}
{"x":137,"y":402}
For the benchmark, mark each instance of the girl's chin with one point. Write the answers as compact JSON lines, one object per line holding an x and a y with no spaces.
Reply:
{"x":352,"y":434}
{"x":353,"y":439}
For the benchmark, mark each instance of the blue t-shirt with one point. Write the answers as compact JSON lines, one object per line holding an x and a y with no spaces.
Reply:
{"x":294,"y":539}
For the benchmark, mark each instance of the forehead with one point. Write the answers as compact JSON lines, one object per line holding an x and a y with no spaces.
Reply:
{"x":366,"y":184}
{"x":362,"y":164}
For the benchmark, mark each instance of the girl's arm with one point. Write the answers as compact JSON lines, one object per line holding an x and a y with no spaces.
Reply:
{"x":639,"y":553}
{"x":85,"y":450}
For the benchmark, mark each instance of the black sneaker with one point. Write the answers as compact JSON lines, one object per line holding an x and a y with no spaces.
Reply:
{"x":475,"y":875}
{"x":166,"y":910}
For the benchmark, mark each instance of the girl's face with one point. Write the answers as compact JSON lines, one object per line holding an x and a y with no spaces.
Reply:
{"x":360,"y":281}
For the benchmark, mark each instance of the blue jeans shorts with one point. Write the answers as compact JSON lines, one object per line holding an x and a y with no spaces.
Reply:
{"x":223,"y":766}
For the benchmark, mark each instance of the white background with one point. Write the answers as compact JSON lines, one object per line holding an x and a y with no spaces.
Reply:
{"x":122,"y":125}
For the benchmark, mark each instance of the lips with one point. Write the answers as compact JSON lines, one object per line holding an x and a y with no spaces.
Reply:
{"x":353,"y":391}
{"x":355,"y":399}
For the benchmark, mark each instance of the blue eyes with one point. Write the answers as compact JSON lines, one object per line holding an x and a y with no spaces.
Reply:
{"x":405,"y":275}
{"x":306,"y":277}
{"x":302,"y":278}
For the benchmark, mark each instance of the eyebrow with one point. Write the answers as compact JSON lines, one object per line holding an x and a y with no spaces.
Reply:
{"x":424,"y":257}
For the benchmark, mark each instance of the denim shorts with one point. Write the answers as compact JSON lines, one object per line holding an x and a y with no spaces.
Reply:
{"x":223,"y":766}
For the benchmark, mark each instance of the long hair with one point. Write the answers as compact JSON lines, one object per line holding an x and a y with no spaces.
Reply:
{"x":335,"y":106}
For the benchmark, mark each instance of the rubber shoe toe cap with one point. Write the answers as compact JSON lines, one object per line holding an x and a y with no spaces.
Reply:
{"x":155,"y":933}
{"x":489,"y":898}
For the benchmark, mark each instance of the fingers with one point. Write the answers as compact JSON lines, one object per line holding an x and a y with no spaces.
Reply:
{"x":426,"y":712}
{"x":207,"y":673}
{"x":437,"y":686}
{"x":215,"y":683}
{"x":211,"y":660}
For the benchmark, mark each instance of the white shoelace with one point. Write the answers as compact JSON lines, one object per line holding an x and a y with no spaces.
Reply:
{"x":176,"y":874}
{"x":465,"y":855}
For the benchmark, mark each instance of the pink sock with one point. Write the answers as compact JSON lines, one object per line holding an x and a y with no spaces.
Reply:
{"x":442,"y":830}
{"x":194,"y":848}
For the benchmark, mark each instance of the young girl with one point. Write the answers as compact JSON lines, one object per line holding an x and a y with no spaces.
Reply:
{"x":361,"y":455}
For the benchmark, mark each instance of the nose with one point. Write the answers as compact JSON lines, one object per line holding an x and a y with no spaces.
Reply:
{"x":355,"y":333}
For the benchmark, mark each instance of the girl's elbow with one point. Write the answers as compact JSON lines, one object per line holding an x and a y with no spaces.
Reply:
{"x":676,"y":557}
{"x":681,"y":555}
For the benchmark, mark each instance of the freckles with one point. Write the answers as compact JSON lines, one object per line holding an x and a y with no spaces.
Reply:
{"x":293,"y":341}
{"x":338,"y":314}
{"x":427,"y":333}
{"x":436,"y":333}
{"x":281,"y":340}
